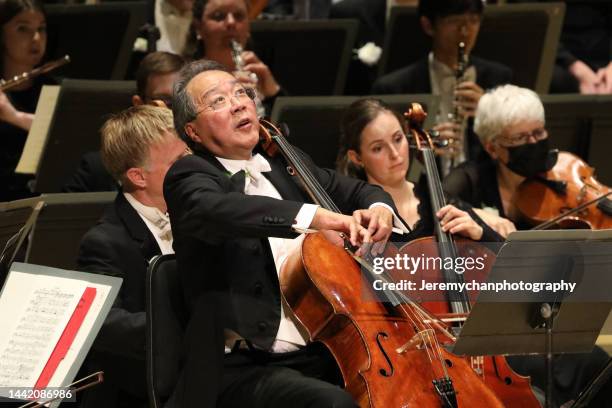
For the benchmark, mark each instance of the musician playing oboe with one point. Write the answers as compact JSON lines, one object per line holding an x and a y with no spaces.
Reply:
{"x":449,"y":23}
{"x":23,"y":40}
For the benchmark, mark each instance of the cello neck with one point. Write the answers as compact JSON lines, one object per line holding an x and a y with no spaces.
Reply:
{"x":312,"y":186}
{"x":459,"y":301}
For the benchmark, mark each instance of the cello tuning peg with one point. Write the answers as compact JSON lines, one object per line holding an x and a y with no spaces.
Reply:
{"x":284,"y":129}
{"x":437,"y":140}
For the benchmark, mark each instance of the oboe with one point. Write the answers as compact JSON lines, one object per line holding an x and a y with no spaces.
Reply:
{"x":19,"y":79}
{"x":239,"y":63}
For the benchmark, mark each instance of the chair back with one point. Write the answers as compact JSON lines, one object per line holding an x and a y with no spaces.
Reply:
{"x":166,"y":320}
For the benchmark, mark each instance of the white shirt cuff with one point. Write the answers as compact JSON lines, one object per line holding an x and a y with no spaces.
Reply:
{"x":304,"y":217}
{"x":398,"y":225}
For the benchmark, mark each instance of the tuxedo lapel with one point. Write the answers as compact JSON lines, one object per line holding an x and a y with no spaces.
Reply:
{"x":136,"y":227}
{"x":282,"y":180}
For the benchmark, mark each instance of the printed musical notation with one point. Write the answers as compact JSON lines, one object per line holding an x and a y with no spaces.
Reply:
{"x":34,"y":326}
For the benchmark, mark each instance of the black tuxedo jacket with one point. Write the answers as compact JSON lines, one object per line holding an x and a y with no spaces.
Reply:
{"x":121,"y":245}
{"x":415,"y":77}
{"x":220,"y":235}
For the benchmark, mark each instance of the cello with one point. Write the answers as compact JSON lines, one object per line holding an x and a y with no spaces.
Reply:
{"x":512,"y":388}
{"x":388,"y":352}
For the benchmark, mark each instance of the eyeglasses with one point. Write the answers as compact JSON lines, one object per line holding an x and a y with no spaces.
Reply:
{"x":521,"y":138}
{"x":220,"y":101}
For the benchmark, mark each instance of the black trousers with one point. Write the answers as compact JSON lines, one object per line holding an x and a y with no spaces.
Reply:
{"x":304,"y":378}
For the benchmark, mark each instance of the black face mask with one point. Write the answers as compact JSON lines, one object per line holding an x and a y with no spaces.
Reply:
{"x":531,"y":158}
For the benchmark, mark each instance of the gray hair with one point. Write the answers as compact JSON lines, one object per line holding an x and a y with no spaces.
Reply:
{"x":183,"y":107}
{"x":506,"y":106}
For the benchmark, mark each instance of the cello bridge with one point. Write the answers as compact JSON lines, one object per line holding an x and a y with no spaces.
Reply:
{"x":417,"y":341}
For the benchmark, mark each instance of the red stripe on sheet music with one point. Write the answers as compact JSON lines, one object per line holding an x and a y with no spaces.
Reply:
{"x":67,"y":337}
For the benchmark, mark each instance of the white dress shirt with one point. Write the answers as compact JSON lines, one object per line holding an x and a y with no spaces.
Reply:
{"x":157,"y":222}
{"x":443,"y":84}
{"x":173,"y":27}
{"x":289,"y":337}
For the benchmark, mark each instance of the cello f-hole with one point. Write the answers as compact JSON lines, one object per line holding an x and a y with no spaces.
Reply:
{"x":383,"y":371}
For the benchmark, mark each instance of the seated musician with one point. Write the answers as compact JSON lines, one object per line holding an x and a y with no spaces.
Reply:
{"x":448,"y":23}
{"x":154,"y":80}
{"x":138,"y":146}
{"x":374,"y":148}
{"x":234,"y":212}
{"x":510,"y":122}
{"x":23,"y":41}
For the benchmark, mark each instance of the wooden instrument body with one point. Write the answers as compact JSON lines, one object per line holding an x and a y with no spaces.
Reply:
{"x":538,"y":203}
{"x":512,"y":389}
{"x":326,"y":291}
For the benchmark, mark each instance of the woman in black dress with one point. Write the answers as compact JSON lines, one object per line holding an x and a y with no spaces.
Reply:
{"x":24,"y":39}
{"x":374,"y":148}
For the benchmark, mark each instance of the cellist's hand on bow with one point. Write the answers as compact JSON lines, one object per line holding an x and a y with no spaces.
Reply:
{"x":329,"y":220}
{"x":456,"y":221}
{"x":378,"y":220}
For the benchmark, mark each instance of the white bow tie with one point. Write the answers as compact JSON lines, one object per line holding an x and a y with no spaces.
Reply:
{"x":161,"y":221}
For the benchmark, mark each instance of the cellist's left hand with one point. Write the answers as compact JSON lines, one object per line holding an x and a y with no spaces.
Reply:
{"x":456,"y":221}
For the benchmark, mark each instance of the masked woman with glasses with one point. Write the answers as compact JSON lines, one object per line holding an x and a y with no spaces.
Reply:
{"x":511,"y":126}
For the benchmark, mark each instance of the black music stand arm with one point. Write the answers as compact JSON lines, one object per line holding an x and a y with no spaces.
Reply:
{"x":585,"y":397}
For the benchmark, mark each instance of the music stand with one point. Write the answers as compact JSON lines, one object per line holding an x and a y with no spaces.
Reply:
{"x":81,"y":109}
{"x":25,"y":286}
{"x":314,"y":122}
{"x":520,"y":322}
{"x":99,"y":38}
{"x":16,"y":221}
{"x":13,"y":216}
{"x":530,"y":51}
{"x":287,"y":48}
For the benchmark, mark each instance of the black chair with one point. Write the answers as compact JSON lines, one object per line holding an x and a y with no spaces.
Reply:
{"x":287,"y":48}
{"x":99,"y":38}
{"x":166,"y":320}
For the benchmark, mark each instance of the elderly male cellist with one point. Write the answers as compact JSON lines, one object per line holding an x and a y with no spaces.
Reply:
{"x":233,"y":214}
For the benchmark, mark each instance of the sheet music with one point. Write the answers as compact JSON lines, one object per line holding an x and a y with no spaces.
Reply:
{"x":37,"y":137}
{"x":34,"y":310}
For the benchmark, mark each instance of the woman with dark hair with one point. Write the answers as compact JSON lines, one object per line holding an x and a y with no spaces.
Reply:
{"x":23,"y":38}
{"x":215,"y":24}
{"x":374,"y":147}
